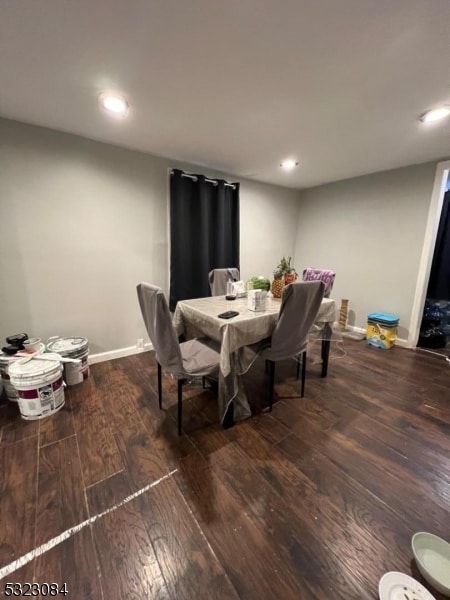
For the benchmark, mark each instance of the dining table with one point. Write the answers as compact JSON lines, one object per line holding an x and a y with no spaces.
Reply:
{"x":199,"y":317}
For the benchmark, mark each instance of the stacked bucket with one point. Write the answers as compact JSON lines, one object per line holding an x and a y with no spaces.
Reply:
{"x":36,"y":380}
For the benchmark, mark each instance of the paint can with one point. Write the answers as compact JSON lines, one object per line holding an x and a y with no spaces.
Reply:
{"x":40,"y":387}
{"x":72,"y":347}
{"x":5,"y":362}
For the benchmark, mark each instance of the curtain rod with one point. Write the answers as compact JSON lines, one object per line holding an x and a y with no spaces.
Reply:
{"x":213,"y":181}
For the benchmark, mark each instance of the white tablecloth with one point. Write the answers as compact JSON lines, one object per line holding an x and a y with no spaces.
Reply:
{"x":199,"y":317}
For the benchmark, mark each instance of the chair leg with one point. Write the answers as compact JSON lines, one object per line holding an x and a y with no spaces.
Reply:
{"x":159,"y":386}
{"x":204,"y":382}
{"x":299,"y":358}
{"x":267,"y":366}
{"x":180,"y":413}
{"x":271,"y":365}
{"x":303,"y":372}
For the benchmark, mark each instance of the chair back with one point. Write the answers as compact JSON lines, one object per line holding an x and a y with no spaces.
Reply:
{"x":218,"y":280}
{"x":300,"y":304}
{"x":325,"y":275}
{"x":158,"y":322}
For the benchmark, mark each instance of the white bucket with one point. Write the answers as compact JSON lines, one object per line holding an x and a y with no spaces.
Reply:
{"x":40,"y":387}
{"x":72,"y":347}
{"x":5,"y":362}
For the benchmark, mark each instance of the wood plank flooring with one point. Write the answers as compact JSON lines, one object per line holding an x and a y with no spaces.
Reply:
{"x":313,"y":501}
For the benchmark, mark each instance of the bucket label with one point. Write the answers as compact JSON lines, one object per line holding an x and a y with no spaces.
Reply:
{"x":380,"y":336}
{"x":41,"y":401}
{"x":46,"y":397}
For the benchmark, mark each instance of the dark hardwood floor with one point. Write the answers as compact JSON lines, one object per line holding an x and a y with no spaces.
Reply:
{"x":316,"y":500}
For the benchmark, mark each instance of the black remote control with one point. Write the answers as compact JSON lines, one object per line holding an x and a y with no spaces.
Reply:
{"x":229,"y":314}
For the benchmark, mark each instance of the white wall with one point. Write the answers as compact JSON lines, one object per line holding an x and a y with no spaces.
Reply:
{"x":82,"y":222}
{"x":370,"y":231}
{"x":268,"y":227}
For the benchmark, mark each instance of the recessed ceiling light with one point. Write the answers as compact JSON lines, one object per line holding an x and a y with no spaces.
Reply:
{"x":435,"y":115}
{"x":113,"y":104}
{"x":288,"y":165}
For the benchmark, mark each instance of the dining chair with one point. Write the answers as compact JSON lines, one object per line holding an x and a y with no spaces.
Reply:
{"x":325,"y":275}
{"x":195,"y":358}
{"x":218,"y":280}
{"x":300,"y":304}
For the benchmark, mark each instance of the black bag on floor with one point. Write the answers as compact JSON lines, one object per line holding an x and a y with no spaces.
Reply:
{"x":432,"y":337}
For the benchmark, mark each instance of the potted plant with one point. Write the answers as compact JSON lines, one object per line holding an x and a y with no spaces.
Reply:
{"x":283,"y":275}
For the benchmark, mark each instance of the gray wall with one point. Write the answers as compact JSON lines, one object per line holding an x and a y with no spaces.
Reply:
{"x":82,"y":222}
{"x":370,"y":230}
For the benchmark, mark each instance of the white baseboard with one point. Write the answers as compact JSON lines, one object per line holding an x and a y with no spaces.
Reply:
{"x":119,"y":353}
{"x":401,"y":342}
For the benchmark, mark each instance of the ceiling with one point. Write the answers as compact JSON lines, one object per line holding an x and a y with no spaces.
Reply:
{"x":237,"y":85}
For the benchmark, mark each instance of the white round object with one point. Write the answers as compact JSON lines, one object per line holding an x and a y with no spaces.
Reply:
{"x":32,"y":344}
{"x":35,"y":368}
{"x":432,"y":555}
{"x":71,"y":347}
{"x":30,"y":350}
{"x":398,"y":586}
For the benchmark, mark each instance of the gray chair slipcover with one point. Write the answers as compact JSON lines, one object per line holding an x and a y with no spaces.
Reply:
{"x":300,"y":304}
{"x":218,"y":280}
{"x":197,"y":357}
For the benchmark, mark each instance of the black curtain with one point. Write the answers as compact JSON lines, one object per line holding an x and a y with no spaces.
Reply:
{"x":204,"y":233}
{"x":439,"y":284}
